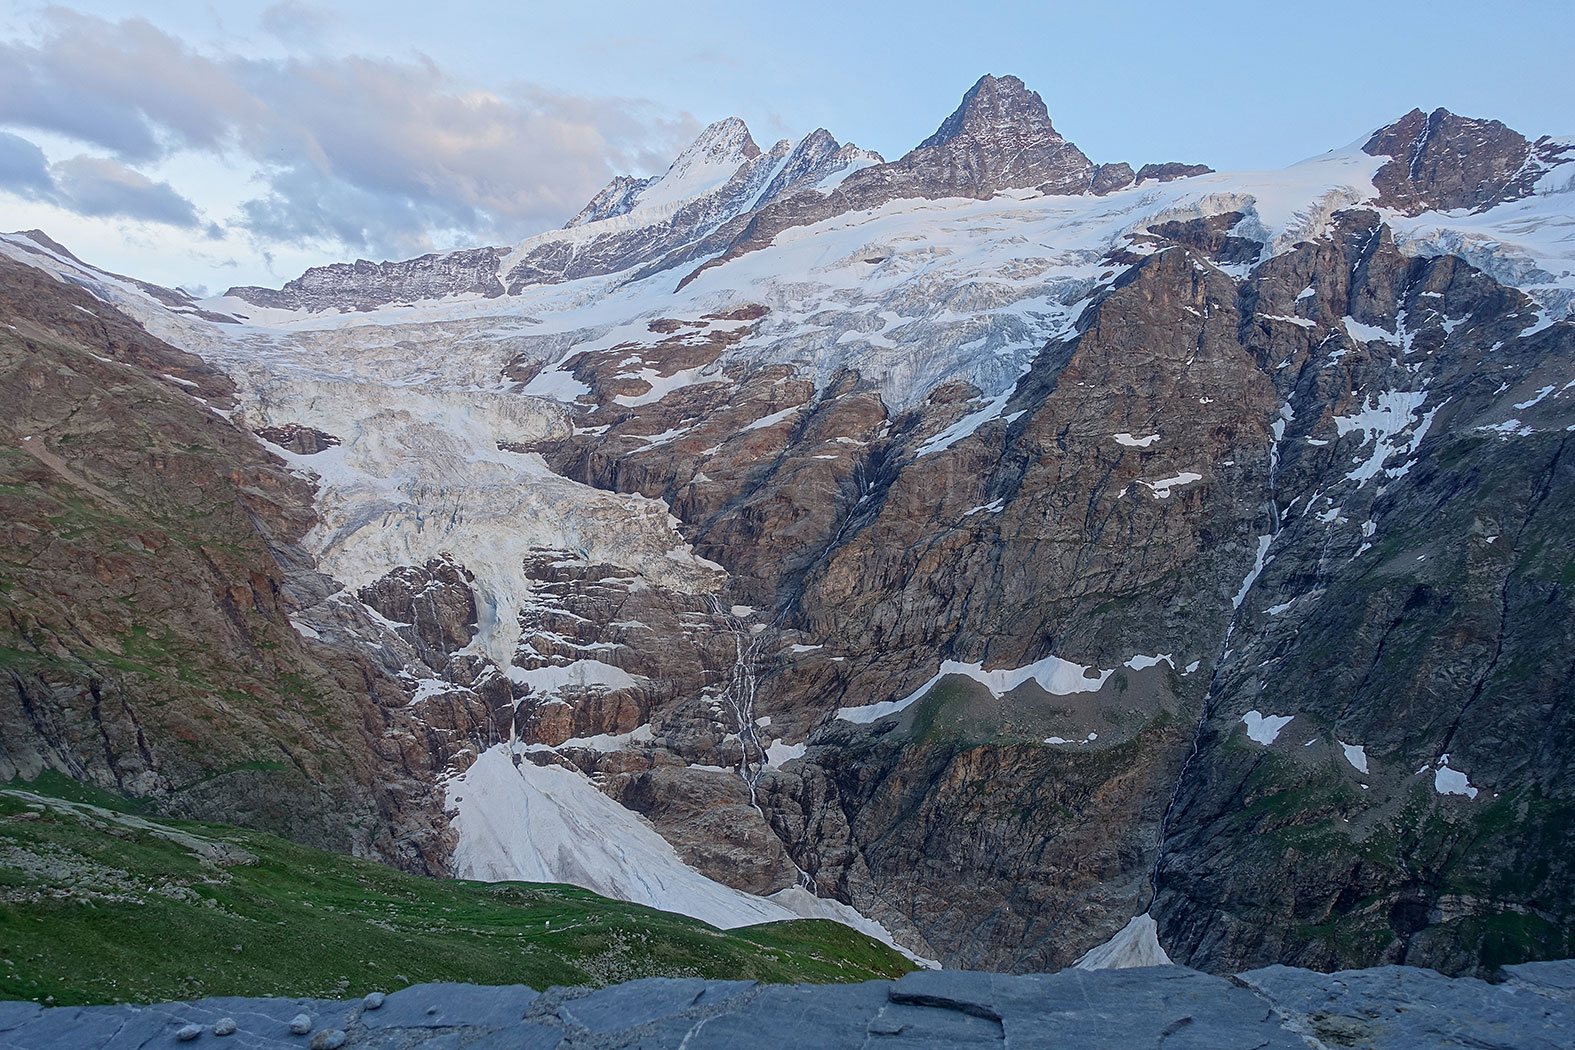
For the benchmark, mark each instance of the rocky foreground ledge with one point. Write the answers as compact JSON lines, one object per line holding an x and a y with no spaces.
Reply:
{"x":1162,"y":1006}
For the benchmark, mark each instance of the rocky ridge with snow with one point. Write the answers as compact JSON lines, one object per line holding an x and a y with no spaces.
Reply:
{"x":869,"y":531}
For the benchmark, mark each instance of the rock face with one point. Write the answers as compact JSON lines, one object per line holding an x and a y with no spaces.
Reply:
{"x":1279,"y":1008}
{"x":151,"y":565}
{"x":1410,"y":613}
{"x":1000,"y":137}
{"x":363,"y":285}
{"x":1010,"y":548}
{"x":1440,"y":160}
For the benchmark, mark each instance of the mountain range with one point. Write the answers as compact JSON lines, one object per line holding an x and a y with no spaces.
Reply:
{"x":1020,"y":558}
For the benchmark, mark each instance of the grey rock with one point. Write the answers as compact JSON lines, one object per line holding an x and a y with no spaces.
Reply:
{"x":830,"y":1017}
{"x":447,"y":1005}
{"x":364,"y":285}
{"x":1402,"y":1007}
{"x":1276,"y":1008}
{"x":224,"y":1026}
{"x":1443,"y":160}
{"x":16,"y":1014}
{"x":638,"y":1002}
{"x":188,"y":1032}
{"x":1170,"y":171}
{"x":1555,"y":979}
{"x":373,"y":1001}
{"x":515,"y":1037}
{"x":300,"y":1024}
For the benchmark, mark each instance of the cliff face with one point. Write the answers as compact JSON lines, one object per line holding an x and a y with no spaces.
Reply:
{"x":998,"y":544}
{"x":151,"y":564}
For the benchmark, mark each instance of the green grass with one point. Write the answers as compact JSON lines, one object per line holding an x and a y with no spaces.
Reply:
{"x":98,"y":904}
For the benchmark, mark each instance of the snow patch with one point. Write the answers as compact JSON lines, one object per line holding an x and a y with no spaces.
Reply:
{"x":779,"y":754}
{"x":1264,"y":728}
{"x":1356,"y":755}
{"x":1137,"y":944}
{"x":1139,"y":663}
{"x":1447,"y":781}
{"x":1256,"y":570}
{"x":548,"y":824}
{"x":1053,"y":674}
{"x":1384,"y":420}
{"x":965,"y":426}
{"x":1162,"y":488}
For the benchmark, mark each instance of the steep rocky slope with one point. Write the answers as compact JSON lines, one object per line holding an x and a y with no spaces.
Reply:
{"x":1021,"y":551}
{"x":150,"y":567}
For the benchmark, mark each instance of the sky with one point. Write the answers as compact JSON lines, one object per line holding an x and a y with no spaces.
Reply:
{"x":207,"y":144}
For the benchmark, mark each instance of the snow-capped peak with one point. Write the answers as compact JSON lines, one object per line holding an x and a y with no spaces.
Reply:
{"x":707,"y":164}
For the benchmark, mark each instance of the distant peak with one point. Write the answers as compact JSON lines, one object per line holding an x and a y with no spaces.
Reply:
{"x":725,"y":140}
{"x":992,"y":106}
{"x":1443,"y":160}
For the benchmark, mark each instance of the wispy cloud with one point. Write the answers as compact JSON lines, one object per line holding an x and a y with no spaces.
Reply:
{"x":378,"y":155}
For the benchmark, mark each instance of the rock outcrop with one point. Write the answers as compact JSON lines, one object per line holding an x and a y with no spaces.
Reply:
{"x":1441,"y":160}
{"x":364,"y":285}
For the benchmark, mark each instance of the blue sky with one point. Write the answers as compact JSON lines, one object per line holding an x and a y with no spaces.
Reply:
{"x":206,"y":144}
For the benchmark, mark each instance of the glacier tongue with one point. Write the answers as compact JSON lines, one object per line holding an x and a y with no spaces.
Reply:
{"x":520,"y":821}
{"x":549,"y":824}
{"x":422,"y":473}
{"x":1137,"y":944}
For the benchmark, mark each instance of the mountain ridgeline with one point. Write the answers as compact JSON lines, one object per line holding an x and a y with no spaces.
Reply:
{"x":1005,"y":553}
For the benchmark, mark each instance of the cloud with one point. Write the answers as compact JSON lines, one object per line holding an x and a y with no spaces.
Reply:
{"x":293,"y":23}
{"x":24,"y":170}
{"x":382,"y":156}
{"x":92,"y":186}
{"x":99,"y":186}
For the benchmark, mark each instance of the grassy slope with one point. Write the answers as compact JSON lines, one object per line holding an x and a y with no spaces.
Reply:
{"x":102,"y":905}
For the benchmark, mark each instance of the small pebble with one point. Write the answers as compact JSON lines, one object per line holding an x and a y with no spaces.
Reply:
{"x":431,"y":1010}
{"x":328,"y":1039}
{"x":189,"y":1033}
{"x":373,"y":1000}
{"x":224,"y":1026}
{"x":300,"y":1024}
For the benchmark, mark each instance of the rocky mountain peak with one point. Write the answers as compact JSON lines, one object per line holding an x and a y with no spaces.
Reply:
{"x":1443,"y":160}
{"x":996,"y":108}
{"x":999,"y":137}
{"x":616,"y":198}
{"x":726,"y":140}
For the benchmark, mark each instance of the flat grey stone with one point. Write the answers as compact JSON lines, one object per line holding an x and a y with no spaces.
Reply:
{"x":1399,"y":1008}
{"x":932,"y":1028}
{"x":15,"y":1014}
{"x":1544,"y":977}
{"x":1146,"y":1006}
{"x":792,"y":1017}
{"x":1169,"y":1008}
{"x":79,"y":1028}
{"x":967,"y":991}
{"x":452,"y":1005}
{"x":634,"y":1003}
{"x":520,"y":1037}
